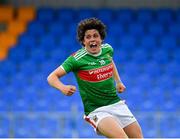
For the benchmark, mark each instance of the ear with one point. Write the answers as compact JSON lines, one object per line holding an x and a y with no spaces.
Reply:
{"x":102,"y":41}
{"x":83,"y":43}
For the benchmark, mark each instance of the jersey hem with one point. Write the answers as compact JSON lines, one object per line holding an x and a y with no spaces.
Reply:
{"x":116,"y":101}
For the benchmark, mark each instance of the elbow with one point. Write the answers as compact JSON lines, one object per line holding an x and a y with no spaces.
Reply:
{"x":52,"y":78}
{"x":49,"y":79}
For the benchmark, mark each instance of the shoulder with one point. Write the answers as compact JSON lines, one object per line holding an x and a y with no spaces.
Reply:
{"x":106,"y":45}
{"x":79,"y":54}
{"x":107,"y":49}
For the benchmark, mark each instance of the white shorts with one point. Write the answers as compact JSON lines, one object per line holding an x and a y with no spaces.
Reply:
{"x":118,"y":110}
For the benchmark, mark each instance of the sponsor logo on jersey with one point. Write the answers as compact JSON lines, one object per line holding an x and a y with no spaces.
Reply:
{"x":97,"y":75}
{"x":92,"y":63}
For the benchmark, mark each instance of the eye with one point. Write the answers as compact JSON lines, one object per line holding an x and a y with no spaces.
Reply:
{"x":87,"y":36}
{"x":96,"y":35}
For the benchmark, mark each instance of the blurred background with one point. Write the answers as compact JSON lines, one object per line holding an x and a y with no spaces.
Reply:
{"x":36,"y":36}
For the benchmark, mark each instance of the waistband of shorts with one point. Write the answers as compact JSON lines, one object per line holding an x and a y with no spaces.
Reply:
{"x":117,"y":103}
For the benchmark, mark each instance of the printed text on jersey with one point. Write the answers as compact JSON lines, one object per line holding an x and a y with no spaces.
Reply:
{"x":98,"y":74}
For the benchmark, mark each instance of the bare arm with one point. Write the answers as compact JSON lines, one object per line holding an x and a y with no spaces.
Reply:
{"x":53,"y":80}
{"x":116,"y":74}
{"x":119,"y":85}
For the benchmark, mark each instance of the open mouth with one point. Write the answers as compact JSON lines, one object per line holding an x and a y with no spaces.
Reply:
{"x":93,"y":45}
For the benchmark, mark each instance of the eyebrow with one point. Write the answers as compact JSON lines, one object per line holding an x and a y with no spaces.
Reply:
{"x":93,"y":33}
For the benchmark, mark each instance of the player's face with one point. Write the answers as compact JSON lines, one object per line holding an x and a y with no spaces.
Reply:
{"x":92,"y":41}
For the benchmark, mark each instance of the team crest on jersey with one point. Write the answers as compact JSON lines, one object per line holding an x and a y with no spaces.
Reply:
{"x":102,"y":62}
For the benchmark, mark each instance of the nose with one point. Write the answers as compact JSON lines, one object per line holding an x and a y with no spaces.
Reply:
{"x":92,"y":39}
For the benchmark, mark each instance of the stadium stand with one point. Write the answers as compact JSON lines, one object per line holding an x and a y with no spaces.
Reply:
{"x":146,"y":50}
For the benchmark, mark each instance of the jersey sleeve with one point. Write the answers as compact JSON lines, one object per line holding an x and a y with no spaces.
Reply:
{"x":109,"y":49}
{"x":69,"y":64}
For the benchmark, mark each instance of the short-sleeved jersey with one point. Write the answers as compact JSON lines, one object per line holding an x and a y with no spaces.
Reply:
{"x":94,"y":76}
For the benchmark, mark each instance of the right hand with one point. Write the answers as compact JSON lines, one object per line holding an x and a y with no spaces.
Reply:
{"x":68,"y":90}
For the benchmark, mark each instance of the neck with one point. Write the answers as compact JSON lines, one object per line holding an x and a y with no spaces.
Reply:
{"x":96,"y":54}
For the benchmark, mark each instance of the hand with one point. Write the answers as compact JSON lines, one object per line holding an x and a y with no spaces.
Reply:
{"x":68,"y":90}
{"x":120,"y":87}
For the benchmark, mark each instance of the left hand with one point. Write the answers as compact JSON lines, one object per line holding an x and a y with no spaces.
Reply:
{"x":120,"y":87}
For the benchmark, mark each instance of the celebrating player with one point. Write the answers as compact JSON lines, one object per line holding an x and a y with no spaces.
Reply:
{"x":96,"y":76}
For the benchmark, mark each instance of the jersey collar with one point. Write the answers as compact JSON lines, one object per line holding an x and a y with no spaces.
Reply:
{"x":94,"y":54}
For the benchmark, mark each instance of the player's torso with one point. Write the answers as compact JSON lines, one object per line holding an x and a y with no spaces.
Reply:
{"x":95,"y":79}
{"x":95,"y":68}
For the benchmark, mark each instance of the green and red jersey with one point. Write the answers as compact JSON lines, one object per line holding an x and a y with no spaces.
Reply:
{"x":94,"y":74}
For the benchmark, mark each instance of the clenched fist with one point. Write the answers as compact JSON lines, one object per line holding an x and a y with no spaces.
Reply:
{"x":68,"y":90}
{"x":120,"y":87}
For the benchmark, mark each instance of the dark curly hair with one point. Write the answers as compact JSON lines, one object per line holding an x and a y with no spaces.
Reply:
{"x":90,"y":23}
